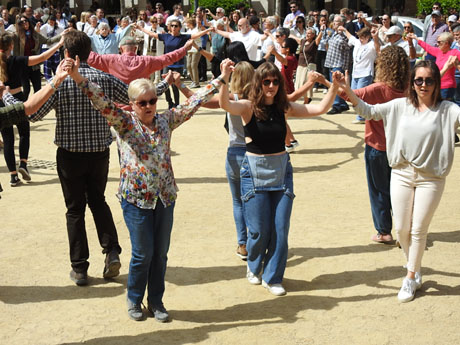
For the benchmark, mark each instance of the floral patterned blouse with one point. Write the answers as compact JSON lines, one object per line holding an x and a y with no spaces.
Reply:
{"x":145,"y":158}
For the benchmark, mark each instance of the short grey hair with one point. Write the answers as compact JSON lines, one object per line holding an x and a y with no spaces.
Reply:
{"x":271,"y":20}
{"x":220,"y":9}
{"x":283,"y":32}
{"x":140,"y":86}
{"x":103,"y":25}
{"x":342,"y":18}
{"x":446,"y":36}
{"x":39,"y":11}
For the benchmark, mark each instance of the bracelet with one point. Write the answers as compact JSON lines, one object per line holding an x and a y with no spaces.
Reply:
{"x":200,"y":49}
{"x":51,"y":83}
{"x":221,"y":80}
{"x":182,"y":86}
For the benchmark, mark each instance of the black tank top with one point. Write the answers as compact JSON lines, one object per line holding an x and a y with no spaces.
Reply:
{"x":267,"y":135}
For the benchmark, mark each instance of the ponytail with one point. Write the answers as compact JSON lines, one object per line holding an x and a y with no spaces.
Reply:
{"x":5,"y":42}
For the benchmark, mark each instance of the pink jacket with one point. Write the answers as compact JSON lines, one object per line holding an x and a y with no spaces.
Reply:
{"x":129,"y":66}
{"x":448,"y":79}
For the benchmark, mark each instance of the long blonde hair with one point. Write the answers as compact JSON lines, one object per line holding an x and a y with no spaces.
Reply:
{"x":242,"y":79}
{"x":5,"y":43}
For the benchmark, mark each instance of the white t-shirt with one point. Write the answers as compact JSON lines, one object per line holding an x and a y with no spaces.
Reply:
{"x":363,"y":57}
{"x":251,"y":41}
{"x":47,"y":31}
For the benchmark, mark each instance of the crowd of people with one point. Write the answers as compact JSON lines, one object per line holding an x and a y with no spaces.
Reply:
{"x":104,"y":75}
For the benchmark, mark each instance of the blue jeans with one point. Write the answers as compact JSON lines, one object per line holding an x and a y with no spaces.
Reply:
{"x":233,"y":162}
{"x":378,"y":181}
{"x":457,"y":92}
{"x":339,"y":102}
{"x":359,"y":83}
{"x":267,"y":216}
{"x":150,"y":233}
{"x":448,"y":94}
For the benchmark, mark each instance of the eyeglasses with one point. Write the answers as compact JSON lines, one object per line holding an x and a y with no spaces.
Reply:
{"x":427,"y":81}
{"x":277,"y":36}
{"x":267,"y":82}
{"x":143,"y":104}
{"x":407,"y":27}
{"x":174,"y":25}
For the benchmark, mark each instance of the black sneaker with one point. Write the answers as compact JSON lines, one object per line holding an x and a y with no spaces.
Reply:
{"x":81,"y":279}
{"x":24,"y":172}
{"x":14,"y":180}
{"x":112,"y":265}
{"x":159,"y":312}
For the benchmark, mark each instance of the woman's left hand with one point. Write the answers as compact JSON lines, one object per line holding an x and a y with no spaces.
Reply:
{"x":226,"y":68}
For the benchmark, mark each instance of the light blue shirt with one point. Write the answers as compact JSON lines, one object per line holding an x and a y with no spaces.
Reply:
{"x":109,"y":44}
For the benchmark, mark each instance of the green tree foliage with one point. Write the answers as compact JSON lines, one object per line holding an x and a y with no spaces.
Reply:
{"x":227,"y":5}
{"x":426,"y":5}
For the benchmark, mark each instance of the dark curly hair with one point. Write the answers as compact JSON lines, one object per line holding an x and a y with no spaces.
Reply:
{"x":393,"y":68}
{"x":256,"y":95}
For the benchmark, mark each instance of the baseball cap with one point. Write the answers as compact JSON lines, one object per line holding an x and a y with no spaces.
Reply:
{"x":436,"y":13}
{"x":127,"y":41}
{"x":394,"y":30}
{"x":452,"y":18}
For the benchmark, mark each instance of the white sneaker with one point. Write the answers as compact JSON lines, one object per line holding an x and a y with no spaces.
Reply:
{"x":275,"y":289}
{"x":418,"y":280}
{"x":407,"y":292}
{"x":325,"y":91}
{"x":314,"y":89}
{"x":252,"y":278}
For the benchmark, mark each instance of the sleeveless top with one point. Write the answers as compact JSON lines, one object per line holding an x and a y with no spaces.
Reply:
{"x":267,"y":136}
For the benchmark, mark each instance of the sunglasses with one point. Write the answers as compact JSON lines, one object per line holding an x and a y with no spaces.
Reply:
{"x":427,"y":81}
{"x":143,"y":104}
{"x":293,"y":7}
{"x":440,"y":42}
{"x":174,"y":25}
{"x":407,"y":27}
{"x":436,"y":7}
{"x":267,"y":82}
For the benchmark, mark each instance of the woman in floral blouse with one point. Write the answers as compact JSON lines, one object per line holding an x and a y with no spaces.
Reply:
{"x":147,"y":189}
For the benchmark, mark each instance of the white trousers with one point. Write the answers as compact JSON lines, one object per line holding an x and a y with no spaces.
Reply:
{"x":414,"y":198}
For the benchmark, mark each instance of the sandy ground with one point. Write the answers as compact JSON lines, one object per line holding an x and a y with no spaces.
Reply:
{"x":341,"y":287}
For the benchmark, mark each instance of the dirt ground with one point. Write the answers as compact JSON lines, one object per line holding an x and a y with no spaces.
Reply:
{"x":341,"y":287}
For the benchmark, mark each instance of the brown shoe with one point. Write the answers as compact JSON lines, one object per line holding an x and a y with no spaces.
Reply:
{"x":112,"y":265}
{"x":386,"y":238}
{"x":241,"y":251}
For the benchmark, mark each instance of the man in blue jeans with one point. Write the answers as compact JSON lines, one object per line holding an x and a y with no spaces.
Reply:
{"x":338,"y":59}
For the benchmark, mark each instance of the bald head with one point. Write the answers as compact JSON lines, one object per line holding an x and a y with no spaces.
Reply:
{"x":243,"y":26}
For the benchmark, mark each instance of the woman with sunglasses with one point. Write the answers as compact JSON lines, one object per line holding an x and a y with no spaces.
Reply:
{"x":442,"y":53}
{"x":147,"y":189}
{"x":420,"y":138}
{"x":266,"y":172}
{"x":409,"y":29}
{"x":172,"y":41}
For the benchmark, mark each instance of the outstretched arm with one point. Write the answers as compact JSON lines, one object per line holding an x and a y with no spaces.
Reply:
{"x":311,"y":80}
{"x":201,"y":33}
{"x":233,"y":107}
{"x":36,"y":59}
{"x":35,"y":101}
{"x":310,"y":110}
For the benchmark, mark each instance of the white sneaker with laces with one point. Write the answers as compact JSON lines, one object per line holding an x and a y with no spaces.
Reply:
{"x":407,"y":292}
{"x":252,"y":278}
{"x":314,"y":89}
{"x":275,"y":289}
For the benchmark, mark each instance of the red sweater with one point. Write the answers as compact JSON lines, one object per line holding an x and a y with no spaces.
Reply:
{"x":374,"y":134}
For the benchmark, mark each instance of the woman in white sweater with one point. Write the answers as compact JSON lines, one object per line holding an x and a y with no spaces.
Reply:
{"x":420,"y":138}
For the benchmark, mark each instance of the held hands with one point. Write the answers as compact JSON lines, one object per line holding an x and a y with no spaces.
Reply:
{"x":168,"y":77}
{"x":411,"y":35}
{"x":452,"y":61}
{"x":313,"y":76}
{"x":226,"y":69}
{"x":338,"y":80}
{"x":374,"y":32}
{"x":189,"y":44}
{"x":176,"y":78}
